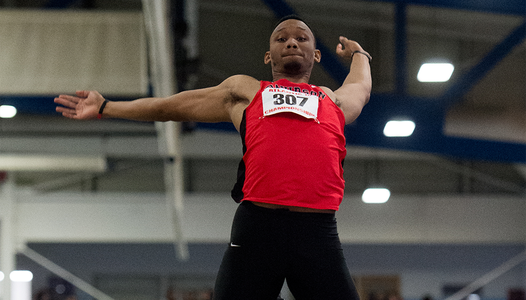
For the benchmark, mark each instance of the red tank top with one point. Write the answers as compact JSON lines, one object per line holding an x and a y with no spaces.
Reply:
{"x":293,"y":150}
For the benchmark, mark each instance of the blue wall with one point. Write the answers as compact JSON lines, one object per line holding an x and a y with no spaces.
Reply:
{"x":422,"y":268}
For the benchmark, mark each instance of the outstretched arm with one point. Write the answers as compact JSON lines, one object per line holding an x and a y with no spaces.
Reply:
{"x":355,"y":91}
{"x":215,"y":104}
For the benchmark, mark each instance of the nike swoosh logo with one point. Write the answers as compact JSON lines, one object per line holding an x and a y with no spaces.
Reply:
{"x":234,"y":245}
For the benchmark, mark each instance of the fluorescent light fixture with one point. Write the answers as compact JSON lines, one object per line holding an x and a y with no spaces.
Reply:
{"x":435,"y":72}
{"x":21,"y":276}
{"x":7,"y":111}
{"x":399,"y":128}
{"x":22,"y":162}
{"x":376,"y":195}
{"x":20,"y":284}
{"x":18,"y":276}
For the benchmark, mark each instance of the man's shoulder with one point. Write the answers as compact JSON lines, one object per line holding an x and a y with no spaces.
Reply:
{"x":241,"y":80}
{"x":241,"y":90}
{"x":329,"y":93}
{"x":242,"y":86}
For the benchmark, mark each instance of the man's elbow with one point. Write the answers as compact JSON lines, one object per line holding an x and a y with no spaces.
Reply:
{"x":367,"y":89}
{"x":366,"y":98}
{"x":353,"y":114}
{"x":364,"y":94}
{"x":354,"y":108}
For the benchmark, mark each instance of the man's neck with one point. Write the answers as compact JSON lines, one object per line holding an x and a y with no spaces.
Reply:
{"x":300,"y":78}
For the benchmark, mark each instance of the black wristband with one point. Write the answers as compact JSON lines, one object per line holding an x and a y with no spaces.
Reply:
{"x":364,"y":53}
{"x":101,"y":109}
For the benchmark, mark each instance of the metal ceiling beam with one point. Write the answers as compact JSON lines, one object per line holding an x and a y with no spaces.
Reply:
{"x":452,"y":147}
{"x":280,"y":8}
{"x":473,"y":76}
{"x":401,"y":47}
{"x":428,"y":137}
{"x":59,"y":3}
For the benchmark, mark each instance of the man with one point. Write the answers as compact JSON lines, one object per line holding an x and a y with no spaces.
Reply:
{"x":290,"y":181}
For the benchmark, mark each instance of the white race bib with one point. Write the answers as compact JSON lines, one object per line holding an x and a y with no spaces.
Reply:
{"x":284,"y":100}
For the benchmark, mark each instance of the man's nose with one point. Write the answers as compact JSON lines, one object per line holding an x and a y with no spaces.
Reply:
{"x":292,"y":43}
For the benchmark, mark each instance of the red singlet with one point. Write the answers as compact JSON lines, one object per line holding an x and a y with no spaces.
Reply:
{"x":293,"y":148}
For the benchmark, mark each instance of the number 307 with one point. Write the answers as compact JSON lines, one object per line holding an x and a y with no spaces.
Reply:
{"x":289,"y":99}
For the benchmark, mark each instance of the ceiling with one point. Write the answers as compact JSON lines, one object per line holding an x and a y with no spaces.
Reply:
{"x":471,"y":131}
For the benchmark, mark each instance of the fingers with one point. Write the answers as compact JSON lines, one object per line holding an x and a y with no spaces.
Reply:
{"x":347,"y":47}
{"x":68,"y":101}
{"x":71,"y":101}
{"x":69,"y":105}
{"x":343,"y":47}
{"x":339,"y":49}
{"x":67,"y":112}
{"x":345,"y":40}
{"x":83,"y":94}
{"x":82,"y":106}
{"x":69,"y":98}
{"x":350,"y":44}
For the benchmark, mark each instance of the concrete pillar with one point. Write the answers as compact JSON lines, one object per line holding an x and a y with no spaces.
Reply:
{"x":7,"y":234}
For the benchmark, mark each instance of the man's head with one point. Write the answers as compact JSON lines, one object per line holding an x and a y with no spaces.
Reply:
{"x":292,"y":49}
{"x":291,"y":17}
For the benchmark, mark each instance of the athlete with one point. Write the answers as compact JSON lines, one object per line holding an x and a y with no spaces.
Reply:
{"x":290,"y":180}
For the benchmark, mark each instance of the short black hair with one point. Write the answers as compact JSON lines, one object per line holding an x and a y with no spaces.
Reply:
{"x":292,"y":17}
{"x":296,"y":17}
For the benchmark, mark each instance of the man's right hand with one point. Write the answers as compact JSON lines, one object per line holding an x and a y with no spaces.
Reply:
{"x":84,"y":106}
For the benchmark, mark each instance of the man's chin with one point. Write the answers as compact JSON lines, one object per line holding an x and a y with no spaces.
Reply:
{"x":292,"y":67}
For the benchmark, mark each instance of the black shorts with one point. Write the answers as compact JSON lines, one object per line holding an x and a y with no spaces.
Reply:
{"x":268,"y":246}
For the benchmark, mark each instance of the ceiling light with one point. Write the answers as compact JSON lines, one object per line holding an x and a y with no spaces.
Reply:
{"x":26,"y":162}
{"x":7,"y":111}
{"x":21,"y":276}
{"x":376,"y":195}
{"x":399,"y":128}
{"x":435,"y":72}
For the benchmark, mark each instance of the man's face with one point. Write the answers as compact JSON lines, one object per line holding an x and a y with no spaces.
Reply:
{"x":292,"y":48}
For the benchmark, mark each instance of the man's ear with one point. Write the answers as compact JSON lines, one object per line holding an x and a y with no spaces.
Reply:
{"x":266,"y":59}
{"x":317,"y":55}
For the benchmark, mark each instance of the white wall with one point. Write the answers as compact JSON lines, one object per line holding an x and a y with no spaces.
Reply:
{"x":50,"y":52}
{"x":428,"y":241}
{"x":91,"y":217}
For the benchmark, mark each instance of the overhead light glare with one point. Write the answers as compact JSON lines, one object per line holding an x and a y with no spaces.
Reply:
{"x":399,"y":128}
{"x":7,"y":111}
{"x":435,"y":72}
{"x":376,"y":195}
{"x":21,"y":276}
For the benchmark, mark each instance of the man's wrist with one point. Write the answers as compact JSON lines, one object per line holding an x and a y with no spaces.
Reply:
{"x":363,"y":53}
{"x":101,"y":109}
